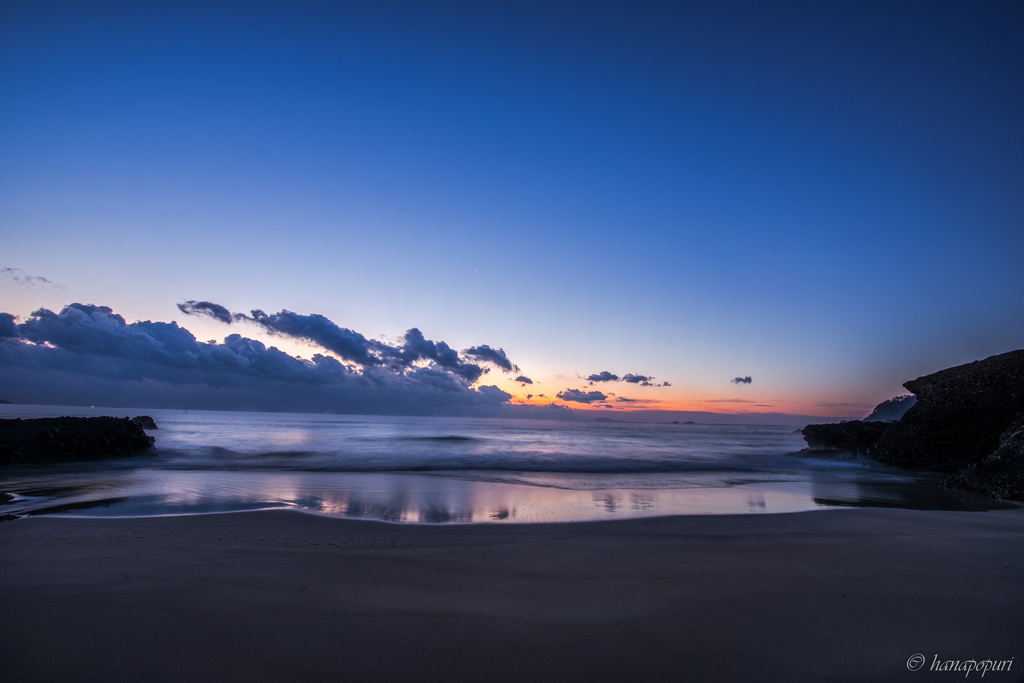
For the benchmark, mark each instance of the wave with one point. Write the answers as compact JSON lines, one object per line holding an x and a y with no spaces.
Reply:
{"x":438,"y":439}
{"x":220,"y":458}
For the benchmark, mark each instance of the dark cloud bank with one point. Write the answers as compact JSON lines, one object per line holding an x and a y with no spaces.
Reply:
{"x":89,"y":355}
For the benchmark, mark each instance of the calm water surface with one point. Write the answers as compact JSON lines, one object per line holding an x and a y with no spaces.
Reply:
{"x":439,"y":470}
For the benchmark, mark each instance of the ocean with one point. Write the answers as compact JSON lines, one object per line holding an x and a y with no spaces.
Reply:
{"x":455,"y":470}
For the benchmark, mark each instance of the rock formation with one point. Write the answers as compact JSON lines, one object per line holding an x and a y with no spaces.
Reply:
{"x":968,"y":421}
{"x":849,"y":437}
{"x":70,"y":439}
{"x":145,"y":421}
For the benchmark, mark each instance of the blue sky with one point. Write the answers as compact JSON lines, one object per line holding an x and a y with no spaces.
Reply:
{"x":829,"y":200}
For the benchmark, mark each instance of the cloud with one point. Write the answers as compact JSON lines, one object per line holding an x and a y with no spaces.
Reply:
{"x":353,"y":347}
{"x":215,"y":311}
{"x":493,"y":395}
{"x":488,"y":355}
{"x":524,"y":380}
{"x":417,"y":348}
{"x":8,"y":325}
{"x":315,"y":328}
{"x":728,"y":400}
{"x":20,"y":277}
{"x":578,"y":396}
{"x":742,"y":380}
{"x":89,"y":354}
{"x":603,"y":376}
{"x":529,"y":396}
{"x":642,"y":380}
{"x":623,"y":399}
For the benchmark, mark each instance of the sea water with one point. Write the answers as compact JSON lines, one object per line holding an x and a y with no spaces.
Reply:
{"x":436,"y":470}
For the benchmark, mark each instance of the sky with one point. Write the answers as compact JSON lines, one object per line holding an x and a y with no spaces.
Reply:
{"x":821,"y":201}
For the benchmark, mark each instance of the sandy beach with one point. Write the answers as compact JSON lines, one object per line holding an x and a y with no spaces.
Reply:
{"x":288,"y":596}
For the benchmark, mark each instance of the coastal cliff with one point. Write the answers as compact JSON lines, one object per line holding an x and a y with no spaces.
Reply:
{"x":71,"y":439}
{"x":968,"y":421}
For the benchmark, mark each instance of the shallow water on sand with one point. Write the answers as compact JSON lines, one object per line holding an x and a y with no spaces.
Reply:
{"x":439,"y":470}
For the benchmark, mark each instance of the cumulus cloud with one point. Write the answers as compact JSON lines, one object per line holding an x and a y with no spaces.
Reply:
{"x":353,"y":347}
{"x":524,"y":380}
{"x":89,"y":351}
{"x":485,"y":353}
{"x":215,"y":311}
{"x":319,"y":330}
{"x":637,"y":379}
{"x":417,"y":348}
{"x":8,"y":325}
{"x":22,"y":278}
{"x":603,"y":376}
{"x":577,"y":396}
{"x":742,"y":380}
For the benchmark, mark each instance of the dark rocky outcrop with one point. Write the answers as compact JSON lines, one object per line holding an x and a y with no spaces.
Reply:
{"x":850,"y":437}
{"x":144,"y":421}
{"x":960,"y":415}
{"x":968,"y":421}
{"x":70,"y":439}
{"x":1000,"y":474}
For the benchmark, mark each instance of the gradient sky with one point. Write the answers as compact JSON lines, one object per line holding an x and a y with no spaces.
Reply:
{"x":827,"y":199}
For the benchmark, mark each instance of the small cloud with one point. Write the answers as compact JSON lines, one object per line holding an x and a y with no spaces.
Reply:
{"x":578,"y":396}
{"x":763,"y":405}
{"x":524,"y":380}
{"x":642,"y":380}
{"x":742,"y":380}
{"x":728,"y":400}
{"x":603,"y":376}
{"x":487,"y":354}
{"x":215,"y":311}
{"x":541,"y":396}
{"x":22,"y":278}
{"x":665,"y":384}
{"x":529,"y":396}
{"x":623,"y":399}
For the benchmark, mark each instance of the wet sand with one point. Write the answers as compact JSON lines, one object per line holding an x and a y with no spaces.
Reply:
{"x":845,"y":595}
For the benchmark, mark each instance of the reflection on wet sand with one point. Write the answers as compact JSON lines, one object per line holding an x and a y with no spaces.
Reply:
{"x":434,"y":499}
{"x":921,"y":494}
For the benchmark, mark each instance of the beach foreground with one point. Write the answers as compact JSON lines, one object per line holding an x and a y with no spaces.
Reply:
{"x":288,"y":596}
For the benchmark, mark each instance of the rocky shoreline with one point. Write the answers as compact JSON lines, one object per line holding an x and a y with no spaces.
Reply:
{"x":72,"y":439}
{"x":968,"y":422}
